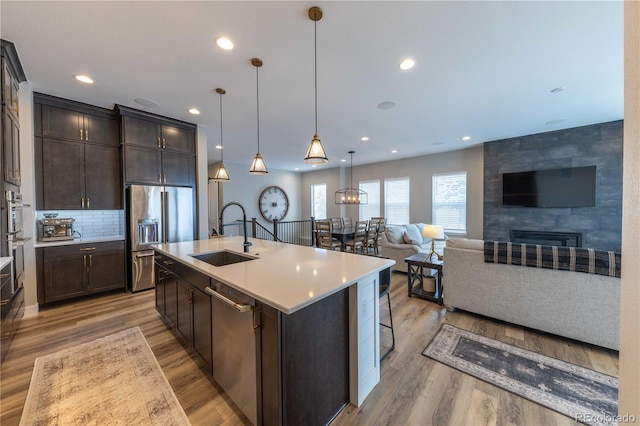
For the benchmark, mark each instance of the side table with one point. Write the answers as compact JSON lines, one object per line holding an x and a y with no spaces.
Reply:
{"x":415,"y":276}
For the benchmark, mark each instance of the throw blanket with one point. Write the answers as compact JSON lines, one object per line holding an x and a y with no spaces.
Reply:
{"x":575,"y":259}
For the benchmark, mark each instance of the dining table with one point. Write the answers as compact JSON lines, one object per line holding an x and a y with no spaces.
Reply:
{"x":343,"y":235}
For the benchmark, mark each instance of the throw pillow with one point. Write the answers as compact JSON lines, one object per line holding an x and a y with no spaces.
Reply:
{"x":414,"y":234}
{"x":408,"y":240}
{"x":394,"y":234}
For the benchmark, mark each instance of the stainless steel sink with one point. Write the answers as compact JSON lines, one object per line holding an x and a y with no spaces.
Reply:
{"x":221,"y":258}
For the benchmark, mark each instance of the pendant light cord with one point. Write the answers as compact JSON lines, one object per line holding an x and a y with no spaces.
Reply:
{"x":258,"y":107}
{"x":351,"y":171}
{"x":221,"y":143}
{"x":315,"y":62}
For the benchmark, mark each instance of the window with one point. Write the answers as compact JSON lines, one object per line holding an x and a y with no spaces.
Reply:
{"x":372,"y":208}
{"x":319,"y":201}
{"x":396,"y":201}
{"x":449,"y":204}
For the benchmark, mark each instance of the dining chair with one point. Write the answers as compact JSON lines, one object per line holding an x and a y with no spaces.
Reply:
{"x":359,"y":240}
{"x":347,"y":222}
{"x":372,"y":235}
{"x":336,"y":222}
{"x":323,"y":234}
{"x":381,"y":227}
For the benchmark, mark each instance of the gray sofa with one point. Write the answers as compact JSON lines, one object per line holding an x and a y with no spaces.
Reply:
{"x":401,"y":241}
{"x":576,"y":305}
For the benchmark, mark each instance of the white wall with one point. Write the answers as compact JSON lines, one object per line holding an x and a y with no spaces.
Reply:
{"x":419,"y":170}
{"x":245,"y":189}
{"x":629,"y":396}
{"x":201,"y":184}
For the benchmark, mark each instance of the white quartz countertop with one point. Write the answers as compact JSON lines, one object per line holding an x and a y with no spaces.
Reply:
{"x":79,"y":241}
{"x":4,"y":261}
{"x":286,"y":277}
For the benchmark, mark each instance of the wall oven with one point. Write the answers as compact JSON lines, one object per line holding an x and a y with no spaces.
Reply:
{"x":16,"y":239}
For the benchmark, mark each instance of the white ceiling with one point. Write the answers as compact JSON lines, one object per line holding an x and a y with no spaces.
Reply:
{"x":483,"y":69}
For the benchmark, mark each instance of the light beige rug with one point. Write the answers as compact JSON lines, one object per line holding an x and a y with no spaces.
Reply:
{"x":114,"y":380}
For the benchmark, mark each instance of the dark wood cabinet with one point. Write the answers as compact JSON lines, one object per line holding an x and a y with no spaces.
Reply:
{"x":155,"y":134}
{"x":71,"y":124}
{"x":11,"y":147}
{"x":77,"y":153}
{"x":11,"y":75}
{"x":66,"y":272}
{"x":157,"y":150}
{"x":78,"y":175}
{"x":182,"y":301}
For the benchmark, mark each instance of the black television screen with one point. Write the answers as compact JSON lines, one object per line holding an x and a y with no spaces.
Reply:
{"x":569,"y":187}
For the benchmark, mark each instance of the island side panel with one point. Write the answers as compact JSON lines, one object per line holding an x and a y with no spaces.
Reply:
{"x":364,"y":331}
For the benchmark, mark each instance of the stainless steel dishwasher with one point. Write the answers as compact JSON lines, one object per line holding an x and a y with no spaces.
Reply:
{"x":234,"y":346}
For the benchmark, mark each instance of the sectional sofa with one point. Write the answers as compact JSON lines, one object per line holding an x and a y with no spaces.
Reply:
{"x":577,"y":305}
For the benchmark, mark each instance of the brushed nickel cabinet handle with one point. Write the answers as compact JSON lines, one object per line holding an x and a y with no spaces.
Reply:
{"x":164,"y":143}
{"x":82,"y":202}
{"x":160,"y":177}
{"x":86,"y":135}
{"x":81,"y":134}
{"x":159,"y":146}
{"x":88,"y":203}
{"x":164,"y":178}
{"x":84,"y":260}
{"x":88,"y":249}
{"x":90,"y":260}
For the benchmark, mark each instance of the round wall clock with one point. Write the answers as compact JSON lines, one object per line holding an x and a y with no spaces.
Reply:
{"x":273,"y":203}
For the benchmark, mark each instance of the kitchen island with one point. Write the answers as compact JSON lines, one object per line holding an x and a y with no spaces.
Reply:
{"x":314,"y":324}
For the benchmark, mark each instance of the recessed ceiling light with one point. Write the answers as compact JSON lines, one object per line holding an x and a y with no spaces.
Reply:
{"x":314,"y":166}
{"x":364,"y":138}
{"x":343,"y":160}
{"x":387,"y":105}
{"x":218,"y":147}
{"x":146,"y":102}
{"x":224,"y":43}
{"x":406,"y":64}
{"x":297,"y":168}
{"x":393,"y":151}
{"x":84,"y":79}
{"x":557,"y":90}
{"x":466,"y":138}
{"x":556,"y":121}
{"x":194,"y":111}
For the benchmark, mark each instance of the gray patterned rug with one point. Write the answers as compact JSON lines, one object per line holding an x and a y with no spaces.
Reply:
{"x":577,"y":392}
{"x":114,"y":380}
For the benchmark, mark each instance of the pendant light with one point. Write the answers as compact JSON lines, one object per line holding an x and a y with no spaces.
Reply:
{"x":258,"y":167}
{"x":221,"y":174}
{"x":315,"y":153}
{"x":351,"y":195}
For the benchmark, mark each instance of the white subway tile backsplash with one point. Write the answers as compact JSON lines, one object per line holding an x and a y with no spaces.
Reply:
{"x":92,"y":223}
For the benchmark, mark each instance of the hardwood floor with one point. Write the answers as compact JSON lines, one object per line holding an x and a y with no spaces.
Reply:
{"x":414,"y":389}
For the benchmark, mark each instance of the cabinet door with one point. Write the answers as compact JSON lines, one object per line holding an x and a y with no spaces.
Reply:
{"x":103,"y":190}
{"x":63,"y":174}
{"x":62,"y":123}
{"x":10,"y":147}
{"x":106,"y":267}
{"x":141,"y":132}
{"x":64,"y":273}
{"x":178,"y":139}
{"x":171,"y":297}
{"x":201,"y":303}
{"x":142,"y":165}
{"x":178,"y":169}
{"x":101,"y":130}
{"x":184,"y":315}
{"x":160,"y":276}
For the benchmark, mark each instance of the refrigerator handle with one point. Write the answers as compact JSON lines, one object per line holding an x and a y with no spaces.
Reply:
{"x":165,"y":214}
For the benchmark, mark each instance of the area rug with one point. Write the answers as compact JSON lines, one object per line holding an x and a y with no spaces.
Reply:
{"x":114,"y":380}
{"x":580,"y":393}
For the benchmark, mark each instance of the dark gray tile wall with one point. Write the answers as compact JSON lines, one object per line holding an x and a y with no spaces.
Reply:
{"x":597,"y":144}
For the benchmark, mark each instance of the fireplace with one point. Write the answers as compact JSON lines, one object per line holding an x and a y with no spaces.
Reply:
{"x":549,"y":238}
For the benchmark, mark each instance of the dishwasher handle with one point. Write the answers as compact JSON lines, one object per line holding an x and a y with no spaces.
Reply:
{"x":237,"y":306}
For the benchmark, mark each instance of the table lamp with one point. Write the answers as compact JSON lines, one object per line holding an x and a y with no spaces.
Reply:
{"x":434,"y":232}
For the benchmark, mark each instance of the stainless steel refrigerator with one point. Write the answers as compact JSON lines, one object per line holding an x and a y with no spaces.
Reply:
{"x":156,"y":214}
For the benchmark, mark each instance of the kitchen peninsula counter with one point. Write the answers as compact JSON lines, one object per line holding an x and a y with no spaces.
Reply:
{"x":315,"y":323}
{"x":284,"y":276}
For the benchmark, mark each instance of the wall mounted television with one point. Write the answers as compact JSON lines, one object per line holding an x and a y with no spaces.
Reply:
{"x":556,"y":188}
